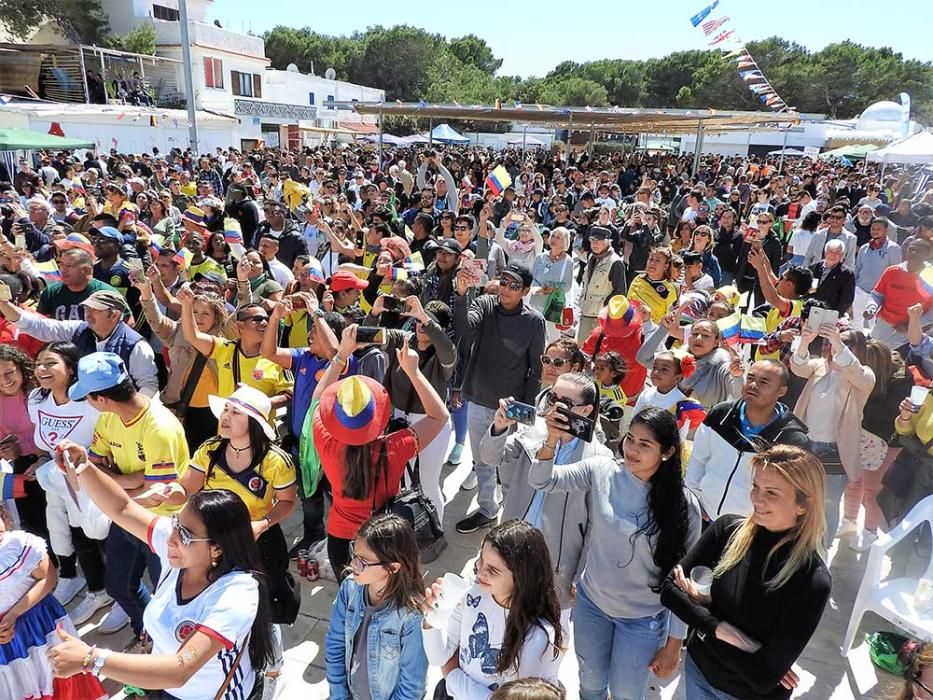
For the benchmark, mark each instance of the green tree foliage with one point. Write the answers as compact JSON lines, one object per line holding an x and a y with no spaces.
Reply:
{"x":84,"y":21}
{"x":411,"y":64}
{"x":141,"y":40}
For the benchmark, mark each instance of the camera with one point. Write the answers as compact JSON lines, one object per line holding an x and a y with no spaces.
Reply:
{"x":610,"y":410}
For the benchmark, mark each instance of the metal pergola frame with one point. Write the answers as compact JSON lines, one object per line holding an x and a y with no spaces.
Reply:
{"x":604,"y":120}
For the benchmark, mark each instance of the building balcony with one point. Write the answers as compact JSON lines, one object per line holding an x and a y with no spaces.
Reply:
{"x":208,"y":35}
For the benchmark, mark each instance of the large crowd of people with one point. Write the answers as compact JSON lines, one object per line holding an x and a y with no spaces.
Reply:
{"x":676,"y":389}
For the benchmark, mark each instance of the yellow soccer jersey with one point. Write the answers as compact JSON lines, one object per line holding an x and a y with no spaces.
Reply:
{"x":255,"y":487}
{"x":153,"y":442}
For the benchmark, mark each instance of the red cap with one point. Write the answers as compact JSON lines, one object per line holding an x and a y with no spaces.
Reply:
{"x":344,"y":280}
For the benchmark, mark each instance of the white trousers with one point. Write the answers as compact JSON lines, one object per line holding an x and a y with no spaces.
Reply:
{"x":432,"y":458}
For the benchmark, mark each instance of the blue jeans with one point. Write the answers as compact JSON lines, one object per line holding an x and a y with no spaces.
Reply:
{"x":614,"y":653}
{"x":696,"y":687}
{"x":460,"y":416}
{"x":479,"y":420}
{"x":127,"y":559}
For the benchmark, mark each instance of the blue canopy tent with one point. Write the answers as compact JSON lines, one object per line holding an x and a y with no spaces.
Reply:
{"x":442,"y":133}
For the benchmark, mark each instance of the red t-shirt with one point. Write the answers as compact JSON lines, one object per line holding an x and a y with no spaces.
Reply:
{"x":11,"y":335}
{"x":346,"y":514}
{"x":900,"y":289}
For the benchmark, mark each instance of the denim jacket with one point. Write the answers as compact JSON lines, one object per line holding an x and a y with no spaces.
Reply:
{"x":398,"y":666}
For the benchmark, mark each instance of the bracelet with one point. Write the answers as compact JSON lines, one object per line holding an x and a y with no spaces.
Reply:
{"x":99,"y":662}
{"x":338,"y":360}
{"x":552,"y":448}
{"x":88,"y":659}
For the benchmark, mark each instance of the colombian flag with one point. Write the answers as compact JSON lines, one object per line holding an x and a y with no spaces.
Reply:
{"x":232,"y":231}
{"x":413,"y":262}
{"x":498,"y":180}
{"x":752,"y":329}
{"x":398,"y":273}
{"x":49,"y":271}
{"x":729,"y":326}
{"x":926,"y":279}
{"x":183,"y":258}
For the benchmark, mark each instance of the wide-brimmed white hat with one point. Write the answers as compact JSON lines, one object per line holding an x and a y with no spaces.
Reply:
{"x":250,"y":402}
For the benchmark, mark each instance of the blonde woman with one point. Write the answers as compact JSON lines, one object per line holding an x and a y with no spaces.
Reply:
{"x":769,"y":584}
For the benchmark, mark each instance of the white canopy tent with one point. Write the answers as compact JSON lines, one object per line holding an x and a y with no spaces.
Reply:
{"x":526,"y":141}
{"x":914,"y":150}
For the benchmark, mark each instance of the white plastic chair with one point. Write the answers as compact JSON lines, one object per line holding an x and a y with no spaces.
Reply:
{"x":893,"y":599}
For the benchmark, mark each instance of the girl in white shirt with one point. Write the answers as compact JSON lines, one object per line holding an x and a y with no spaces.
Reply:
{"x":209,"y":614}
{"x":508,"y":624}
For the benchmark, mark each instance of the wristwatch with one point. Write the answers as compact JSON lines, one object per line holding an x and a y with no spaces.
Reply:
{"x":99,"y":662}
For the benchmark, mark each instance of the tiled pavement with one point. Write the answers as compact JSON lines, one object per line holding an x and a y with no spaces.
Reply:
{"x":825,"y":674}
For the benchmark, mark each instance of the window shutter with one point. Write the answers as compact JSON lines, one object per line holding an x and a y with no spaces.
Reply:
{"x":235,"y":82}
{"x":257,"y":85}
{"x":208,"y":72}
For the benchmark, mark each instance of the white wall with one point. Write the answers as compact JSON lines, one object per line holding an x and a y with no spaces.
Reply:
{"x":294,"y":88}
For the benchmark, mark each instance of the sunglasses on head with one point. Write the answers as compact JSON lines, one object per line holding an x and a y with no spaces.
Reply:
{"x":552,"y":398}
{"x":184,"y":534}
{"x":558,"y":362}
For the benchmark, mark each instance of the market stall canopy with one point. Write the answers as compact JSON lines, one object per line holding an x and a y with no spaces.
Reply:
{"x":527,"y":140}
{"x":854,"y":152}
{"x":787,"y":152}
{"x":26,"y":140}
{"x":442,"y":133}
{"x":386,"y":138}
{"x":604,"y":119}
{"x":916,"y":149}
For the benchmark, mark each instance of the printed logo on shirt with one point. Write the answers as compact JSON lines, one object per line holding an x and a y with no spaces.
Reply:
{"x":54,"y":429}
{"x":184,"y":630}
{"x":256,"y":484}
{"x":258,"y":374}
{"x":116,"y":281}
{"x":140,"y":453}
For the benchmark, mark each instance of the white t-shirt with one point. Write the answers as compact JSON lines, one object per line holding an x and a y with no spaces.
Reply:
{"x":650,"y":397}
{"x":225,"y":610}
{"x":74,"y":420}
{"x":280,"y":272}
{"x":477,"y":627}
{"x":800,"y":242}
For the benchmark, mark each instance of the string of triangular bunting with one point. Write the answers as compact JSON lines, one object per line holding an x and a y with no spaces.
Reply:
{"x":719,"y":36}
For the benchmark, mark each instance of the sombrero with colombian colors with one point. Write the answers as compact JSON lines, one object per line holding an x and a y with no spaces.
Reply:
{"x":355,"y":410}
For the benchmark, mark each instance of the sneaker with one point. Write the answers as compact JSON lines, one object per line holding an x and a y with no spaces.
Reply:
{"x":138,"y":645}
{"x":91,"y":604}
{"x":846,"y":527}
{"x":470,"y":482}
{"x":67,"y":588}
{"x":474,"y":522}
{"x":863,"y":542}
{"x":456,"y":454}
{"x":114,"y":621}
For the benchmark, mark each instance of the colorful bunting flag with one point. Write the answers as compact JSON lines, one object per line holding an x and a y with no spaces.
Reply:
{"x":703,"y":14}
{"x":721,"y":37}
{"x":713,"y":24}
{"x":746,"y":62}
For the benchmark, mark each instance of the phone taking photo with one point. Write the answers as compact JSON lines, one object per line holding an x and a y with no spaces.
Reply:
{"x":370,"y":334}
{"x":390,"y":303}
{"x":578,"y":426}
{"x":520,"y":412}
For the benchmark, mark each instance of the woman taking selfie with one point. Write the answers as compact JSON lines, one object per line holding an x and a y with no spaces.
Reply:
{"x":507,"y":626}
{"x":363,"y":464}
{"x":379,"y":605}
{"x":769,"y":584}
{"x":208,"y":617}
{"x":643,"y":522}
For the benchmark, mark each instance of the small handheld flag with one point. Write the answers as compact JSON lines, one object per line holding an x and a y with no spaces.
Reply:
{"x":498,"y":180}
{"x":689,"y":413}
{"x":49,"y":271}
{"x":752,"y":329}
{"x":729,"y":326}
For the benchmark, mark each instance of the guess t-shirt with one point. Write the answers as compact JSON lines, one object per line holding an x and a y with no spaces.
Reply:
{"x":74,"y":420}
{"x":225,"y":611}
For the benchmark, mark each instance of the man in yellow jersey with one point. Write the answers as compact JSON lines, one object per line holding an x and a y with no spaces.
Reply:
{"x":783,"y":294}
{"x":140,"y":442}
{"x":238,"y":361}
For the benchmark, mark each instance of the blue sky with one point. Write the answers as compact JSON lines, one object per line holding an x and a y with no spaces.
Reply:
{"x":533,"y":37}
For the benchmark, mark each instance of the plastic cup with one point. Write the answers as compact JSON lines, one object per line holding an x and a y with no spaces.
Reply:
{"x":918,"y":395}
{"x":453,"y":588}
{"x":702,"y":577}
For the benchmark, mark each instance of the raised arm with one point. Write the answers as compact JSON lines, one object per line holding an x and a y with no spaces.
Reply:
{"x":200,"y":341}
{"x":767,"y":280}
{"x":435,"y":408}
{"x":269,"y":348}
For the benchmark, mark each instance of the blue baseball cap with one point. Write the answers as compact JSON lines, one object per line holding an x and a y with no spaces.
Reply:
{"x":98,"y":371}
{"x":108,"y":232}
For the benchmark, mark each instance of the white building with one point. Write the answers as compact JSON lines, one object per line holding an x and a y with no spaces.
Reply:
{"x":232,"y":75}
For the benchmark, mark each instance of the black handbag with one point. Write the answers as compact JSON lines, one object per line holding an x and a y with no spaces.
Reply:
{"x":412,"y":505}
{"x":908,"y":480}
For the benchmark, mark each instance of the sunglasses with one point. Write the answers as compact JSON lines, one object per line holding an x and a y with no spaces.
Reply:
{"x":514,"y":285}
{"x":552,"y":398}
{"x":558,"y":362}
{"x":184,"y":534}
{"x":764,"y":221}
{"x":359,"y":564}
{"x":461,"y":228}
{"x":258,"y":318}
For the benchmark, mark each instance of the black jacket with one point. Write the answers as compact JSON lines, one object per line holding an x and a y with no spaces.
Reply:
{"x":838,"y":289}
{"x":291,"y":245}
